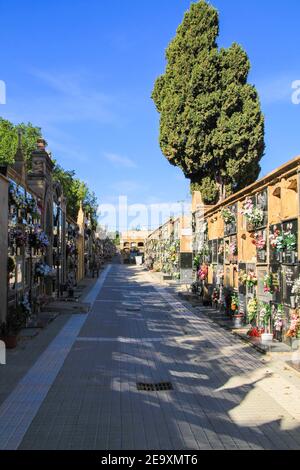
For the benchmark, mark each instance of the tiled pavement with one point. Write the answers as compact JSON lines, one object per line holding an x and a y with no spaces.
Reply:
{"x":225,"y":396}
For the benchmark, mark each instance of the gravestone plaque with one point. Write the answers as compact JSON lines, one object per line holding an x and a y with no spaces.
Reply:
{"x":19,"y":282}
{"x":221,"y":251}
{"x":262,"y":203}
{"x":186,"y":261}
{"x":251,"y":289}
{"x":227,"y":251}
{"x":279,"y":330}
{"x":275,"y":255}
{"x":215,"y":270}
{"x":277,"y":284}
{"x":261,"y":254}
{"x":231,"y":228}
{"x":215,"y":251}
{"x":220,"y":275}
{"x":249,"y":226}
{"x":227,"y":282}
{"x":290,"y":255}
{"x":242,"y":287}
{"x":289,"y":276}
{"x":261,"y":294}
{"x":209,"y":255}
{"x":233,"y":256}
{"x":242,"y":304}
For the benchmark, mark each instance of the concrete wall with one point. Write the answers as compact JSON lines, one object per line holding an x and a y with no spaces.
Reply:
{"x":3,"y":246}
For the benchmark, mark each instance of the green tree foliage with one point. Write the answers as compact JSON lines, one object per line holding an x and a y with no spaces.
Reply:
{"x":211,"y":125}
{"x":9,"y":140}
{"x":76,"y":192}
{"x":117,"y":239}
{"x":30,"y":134}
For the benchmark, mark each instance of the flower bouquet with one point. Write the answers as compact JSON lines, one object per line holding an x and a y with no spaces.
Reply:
{"x":204,"y":250}
{"x":289,"y":241}
{"x":196,"y":262}
{"x":233,"y":249}
{"x":265,"y":319}
{"x":234,"y":303}
{"x":259,"y":241}
{"x":221,"y":249}
{"x":242,"y":277}
{"x":269,"y":287}
{"x":43,"y":270}
{"x":17,"y":197}
{"x":254,"y":332}
{"x":203,"y":273}
{"x":253,"y":214}
{"x":277,"y":240}
{"x":216,"y":295}
{"x":32,"y":208}
{"x":227,"y":215}
{"x":296,"y":290}
{"x":26,"y":304}
{"x":278,"y":318}
{"x":20,"y":238}
{"x":265,"y":314}
{"x":251,"y":279}
{"x":38,"y":240}
{"x":294,"y":330}
{"x":252,"y":309}
{"x":70,"y":249}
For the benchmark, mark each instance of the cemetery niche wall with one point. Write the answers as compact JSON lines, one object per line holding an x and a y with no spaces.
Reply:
{"x":42,"y":248}
{"x":251,"y":239}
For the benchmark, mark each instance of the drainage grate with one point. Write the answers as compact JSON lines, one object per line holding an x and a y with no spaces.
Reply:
{"x":159,"y":387}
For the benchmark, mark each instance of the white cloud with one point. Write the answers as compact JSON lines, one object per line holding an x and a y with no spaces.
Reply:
{"x":275,"y":89}
{"x":119,"y":160}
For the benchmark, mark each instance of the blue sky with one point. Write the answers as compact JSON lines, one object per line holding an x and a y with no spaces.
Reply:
{"x":84,"y":72}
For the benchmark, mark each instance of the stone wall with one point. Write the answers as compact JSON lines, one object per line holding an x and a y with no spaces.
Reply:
{"x":3,"y":246}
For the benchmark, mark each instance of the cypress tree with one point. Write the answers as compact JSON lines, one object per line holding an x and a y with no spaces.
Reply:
{"x":211,"y":124}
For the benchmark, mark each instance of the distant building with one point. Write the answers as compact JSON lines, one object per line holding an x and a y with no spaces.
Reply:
{"x":133,"y":240}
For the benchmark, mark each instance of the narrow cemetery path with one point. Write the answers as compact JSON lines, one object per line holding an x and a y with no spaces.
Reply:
{"x":82,"y":393}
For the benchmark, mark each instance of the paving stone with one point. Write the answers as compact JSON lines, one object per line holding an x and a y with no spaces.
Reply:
{"x":137,"y":331}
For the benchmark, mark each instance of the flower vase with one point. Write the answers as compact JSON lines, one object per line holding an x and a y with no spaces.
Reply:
{"x":293,"y":302}
{"x":238,"y":321}
{"x":295,"y":343}
{"x":267,"y":337}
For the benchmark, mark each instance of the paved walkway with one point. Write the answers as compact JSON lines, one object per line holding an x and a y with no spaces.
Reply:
{"x":82,"y":391}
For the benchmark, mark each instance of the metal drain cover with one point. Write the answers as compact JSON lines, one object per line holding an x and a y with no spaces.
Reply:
{"x":159,"y":387}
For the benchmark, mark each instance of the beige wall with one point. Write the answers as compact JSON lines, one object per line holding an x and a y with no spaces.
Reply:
{"x":80,"y":248}
{"x":132,"y":236}
{"x":3,"y":246}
